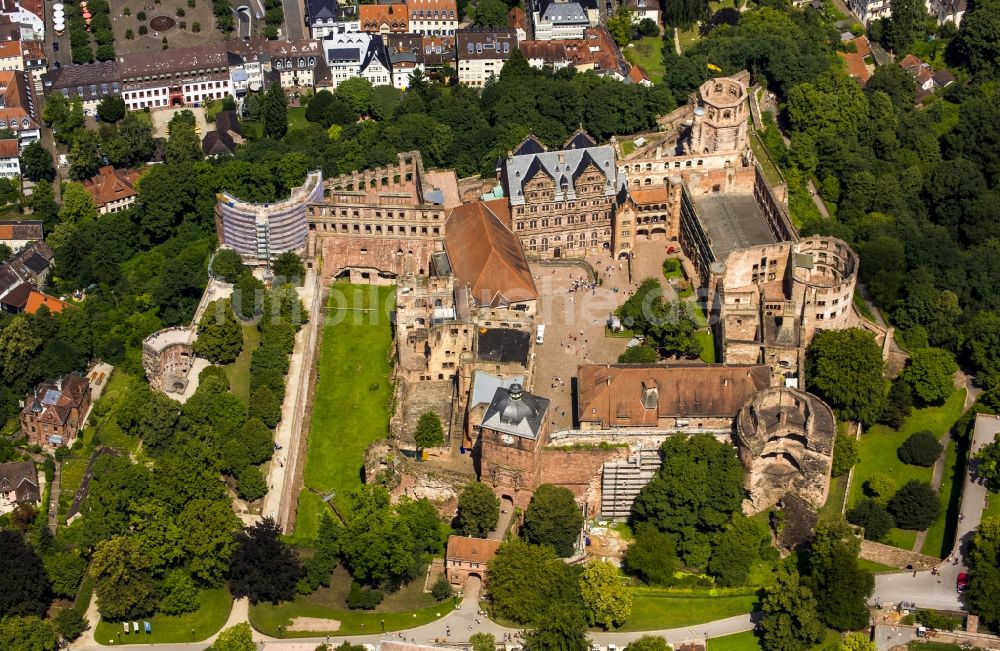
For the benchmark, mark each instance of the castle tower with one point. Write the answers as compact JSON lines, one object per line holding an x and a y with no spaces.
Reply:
{"x":720,"y":118}
{"x":514,"y":431}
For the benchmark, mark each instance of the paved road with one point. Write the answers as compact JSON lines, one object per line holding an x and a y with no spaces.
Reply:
{"x":295,"y":25}
{"x":455,"y":627}
{"x":939,"y":590}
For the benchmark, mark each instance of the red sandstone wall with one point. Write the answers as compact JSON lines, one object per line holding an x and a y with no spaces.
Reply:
{"x":579,"y":471}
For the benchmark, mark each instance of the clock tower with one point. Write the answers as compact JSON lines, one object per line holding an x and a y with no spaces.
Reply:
{"x":512,"y":435}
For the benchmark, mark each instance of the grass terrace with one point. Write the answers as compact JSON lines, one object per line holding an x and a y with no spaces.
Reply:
{"x":747,"y":641}
{"x":647,"y":53}
{"x":213,"y":611}
{"x":351,"y":407}
{"x":239,"y":371}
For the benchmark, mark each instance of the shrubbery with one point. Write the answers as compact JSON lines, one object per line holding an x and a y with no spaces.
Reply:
{"x":921,"y":449}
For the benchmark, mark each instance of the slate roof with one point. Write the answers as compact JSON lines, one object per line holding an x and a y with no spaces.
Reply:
{"x":564,"y":167}
{"x":485,"y":385}
{"x":564,"y":13}
{"x":487,"y":256}
{"x":503,"y":345}
{"x":22,"y":478}
{"x":516,"y":412}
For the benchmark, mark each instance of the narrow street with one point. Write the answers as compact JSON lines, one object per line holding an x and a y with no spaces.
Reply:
{"x":54,"y":498}
{"x":295,"y":24}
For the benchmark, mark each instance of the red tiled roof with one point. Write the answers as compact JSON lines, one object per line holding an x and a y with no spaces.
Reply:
{"x":855,"y":64}
{"x":372,"y":17}
{"x":477,"y":550}
{"x":37,"y":299}
{"x":112,"y":185}
{"x":9,"y":148}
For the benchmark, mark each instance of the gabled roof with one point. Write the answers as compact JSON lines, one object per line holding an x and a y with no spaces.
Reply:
{"x":22,"y":478}
{"x":487,"y":256}
{"x":37,"y":299}
{"x":530,"y":145}
{"x":580,"y":140}
{"x":17,"y":298}
{"x":637,"y":395}
{"x":474,"y":550}
{"x":112,"y":184}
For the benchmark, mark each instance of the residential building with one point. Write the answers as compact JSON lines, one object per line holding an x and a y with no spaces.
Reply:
{"x":54,"y":415}
{"x":18,"y":111}
{"x":29,"y":267}
{"x":869,"y":10}
{"x":357,"y":55}
{"x":481,"y":53}
{"x":29,"y":13}
{"x":564,"y":19}
{"x":18,"y":234}
{"x":562,"y":202}
{"x":35,"y":61}
{"x":596,"y":51}
{"x":37,"y":300}
{"x":411,"y":52}
{"x":10,"y":162}
{"x":854,"y":63}
{"x":297,"y":64}
{"x":11,"y":56}
{"x":177,"y":77}
{"x":325,"y":17}
{"x":642,"y":9}
{"x":383,"y":19}
{"x":947,"y":11}
{"x":113,"y":190}
{"x":226,"y":136}
{"x":467,"y":557}
{"x":18,"y":485}
{"x":433,"y":17}
{"x":518,"y":21}
{"x":665,"y":397}
{"x":921,"y":72}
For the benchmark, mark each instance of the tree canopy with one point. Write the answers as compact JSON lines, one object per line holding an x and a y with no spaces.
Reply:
{"x":554,"y":519}
{"x":478,"y":510}
{"x":845,"y":368}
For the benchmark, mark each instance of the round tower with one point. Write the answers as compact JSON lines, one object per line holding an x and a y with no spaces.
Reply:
{"x":720,"y":117}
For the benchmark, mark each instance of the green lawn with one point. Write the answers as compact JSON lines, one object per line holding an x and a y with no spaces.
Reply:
{"x":297,"y":118}
{"x":267,"y":618}
{"x":239,"y":371}
{"x":212,"y":613}
{"x":351,"y":405}
{"x":747,"y":641}
{"x":647,"y":53}
{"x":707,"y":345}
{"x":688,"y":37}
{"x":771,"y":173}
{"x":307,"y":519}
{"x":878,"y":454}
{"x":992,"y":509}
{"x":835,"y":500}
{"x":654,"y":609}
{"x":876,"y":568}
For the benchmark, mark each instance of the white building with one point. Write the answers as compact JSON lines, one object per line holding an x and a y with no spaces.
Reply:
{"x":481,"y":53}
{"x":357,"y":55}
{"x":433,"y":17}
{"x":326,"y":17}
{"x":869,"y":10}
{"x":10,"y":166}
{"x":564,"y":19}
{"x":29,"y":13}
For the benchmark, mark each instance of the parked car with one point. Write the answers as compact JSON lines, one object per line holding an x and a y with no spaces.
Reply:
{"x":963,"y":581}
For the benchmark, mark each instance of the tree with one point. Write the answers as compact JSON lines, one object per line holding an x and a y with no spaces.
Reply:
{"x":553,"y":518}
{"x":873,"y":517}
{"x":36,"y":162}
{"x":841,"y":588}
{"x":357,"y":92}
{"x":179,"y":594}
{"x":250,"y":484}
{"x":978,"y":42}
{"x":263,"y":568}
{"x":183,"y":144}
{"x":235,"y":638}
{"x":649,"y":28}
{"x":77,"y":206}
{"x":289,"y":267}
{"x":696,"y":491}
{"x":429,"y":432}
{"x":881,"y":487}
{"x":43,"y":204}
{"x":122,"y":583}
{"x":845,"y":455}
{"x":669,"y":327}
{"x":27,"y":634}
{"x":931,"y":374}
{"x":483,"y":642}
{"x":84,"y":155}
{"x":607,"y":600}
{"x":915,"y":506}
{"x":132,"y":144}
{"x":735,"y":549}
{"x":228,"y":266}
{"x":620,"y":26}
{"x":111,"y":108}
{"x":210,"y":528}
{"x":904,"y":24}
{"x":478,"y":510}
{"x":220,"y":335}
{"x":24,"y":588}
{"x":491,"y":13}
{"x":69,"y":623}
{"x":5,"y":252}
{"x":441,"y":589}
{"x":984,"y":575}
{"x":648,"y":643}
{"x":265,"y":406}
{"x":526,"y":579}
{"x":65,"y":571}
{"x":248,"y":297}
{"x":562,"y":628}
{"x":652,"y":557}
{"x":275,"y":112}
{"x":641,"y":354}
{"x":790,"y":622}
{"x":846,"y":367}
{"x":920,"y":449}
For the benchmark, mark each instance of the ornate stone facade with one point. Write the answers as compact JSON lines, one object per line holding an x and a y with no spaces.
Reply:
{"x":167,"y":357}
{"x":784,"y":438}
